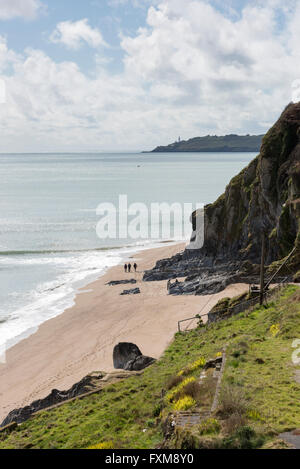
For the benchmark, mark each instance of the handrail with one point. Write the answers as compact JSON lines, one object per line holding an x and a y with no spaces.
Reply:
{"x":254,"y":301}
{"x":282,"y":265}
{"x":191,"y":319}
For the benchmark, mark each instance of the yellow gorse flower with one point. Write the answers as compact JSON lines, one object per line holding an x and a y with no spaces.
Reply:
{"x":104,"y":445}
{"x":197,"y":364}
{"x":275,"y":329}
{"x":184,"y":403}
{"x":209,"y":426}
{"x":193,"y":366}
{"x":254,"y":415}
{"x":171,"y":394}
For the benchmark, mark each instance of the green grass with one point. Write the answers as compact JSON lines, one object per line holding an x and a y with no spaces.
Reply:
{"x":127,"y":413}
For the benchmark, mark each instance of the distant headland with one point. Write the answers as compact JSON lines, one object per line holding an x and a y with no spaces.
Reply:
{"x":214,"y":143}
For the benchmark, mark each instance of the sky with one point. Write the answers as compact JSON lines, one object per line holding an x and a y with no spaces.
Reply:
{"x":128,"y":75}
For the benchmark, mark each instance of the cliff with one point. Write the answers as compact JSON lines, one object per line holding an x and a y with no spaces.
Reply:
{"x":263,"y":198}
{"x":213,"y":143}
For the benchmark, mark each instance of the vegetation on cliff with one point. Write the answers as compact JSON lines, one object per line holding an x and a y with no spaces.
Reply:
{"x":131,"y":414}
{"x":263,"y":198}
{"x":213,"y":143}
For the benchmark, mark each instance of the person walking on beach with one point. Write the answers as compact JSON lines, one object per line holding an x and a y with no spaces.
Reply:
{"x":135,"y":266}
{"x":129,"y":267}
{"x":125,"y":268}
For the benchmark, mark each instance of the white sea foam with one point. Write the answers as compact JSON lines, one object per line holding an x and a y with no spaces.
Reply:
{"x":52,"y":298}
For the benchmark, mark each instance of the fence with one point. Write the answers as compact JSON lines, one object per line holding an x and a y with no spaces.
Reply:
{"x":236,"y":309}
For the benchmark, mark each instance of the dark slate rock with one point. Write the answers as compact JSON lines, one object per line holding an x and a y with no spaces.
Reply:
{"x":127,"y":356}
{"x":55,"y":397}
{"x":121,"y":282}
{"x":139,"y":363}
{"x":123,"y":353}
{"x":134,"y":291}
{"x":213,"y":363}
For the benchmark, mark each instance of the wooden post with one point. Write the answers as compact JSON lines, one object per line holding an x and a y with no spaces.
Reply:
{"x":262,"y":270}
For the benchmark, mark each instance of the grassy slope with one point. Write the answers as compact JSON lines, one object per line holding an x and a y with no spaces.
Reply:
{"x":122,"y":411}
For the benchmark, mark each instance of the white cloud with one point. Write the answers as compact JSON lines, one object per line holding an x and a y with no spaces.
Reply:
{"x":229,"y":70}
{"x":2,"y":92}
{"x":24,"y":8}
{"x":134,"y":3}
{"x":190,"y":71}
{"x":74,"y":34}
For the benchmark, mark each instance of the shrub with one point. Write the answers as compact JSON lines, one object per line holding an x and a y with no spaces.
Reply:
{"x":192,"y":389}
{"x":157,"y":410}
{"x":233,"y":422}
{"x":244,"y":438}
{"x":150,"y":423}
{"x":184,"y":403}
{"x":174,"y":381}
{"x":209,"y":427}
{"x":103,"y":445}
{"x":197,"y":364}
{"x":200,"y":323}
{"x":193,"y":367}
{"x":232,"y":401}
{"x":245,"y":434}
{"x":175,"y":391}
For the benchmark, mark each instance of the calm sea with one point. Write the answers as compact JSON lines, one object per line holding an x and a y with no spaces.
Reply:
{"x":48,"y":242}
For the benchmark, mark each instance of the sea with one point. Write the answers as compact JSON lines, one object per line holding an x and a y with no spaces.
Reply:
{"x":49,"y":246}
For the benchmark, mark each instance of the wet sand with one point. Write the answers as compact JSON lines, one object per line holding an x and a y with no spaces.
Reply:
{"x":81,"y":340}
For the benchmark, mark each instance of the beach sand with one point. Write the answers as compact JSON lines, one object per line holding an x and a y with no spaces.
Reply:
{"x":81,"y":340}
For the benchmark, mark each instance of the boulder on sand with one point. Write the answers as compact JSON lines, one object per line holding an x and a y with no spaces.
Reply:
{"x":139,"y":363}
{"x":127,"y":356}
{"x":134,"y":291}
{"x":121,"y":282}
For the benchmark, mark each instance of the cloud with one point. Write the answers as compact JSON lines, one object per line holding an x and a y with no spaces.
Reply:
{"x":74,"y":34}
{"x":190,"y":71}
{"x":28,"y":9}
{"x":134,"y":3}
{"x":229,"y":70}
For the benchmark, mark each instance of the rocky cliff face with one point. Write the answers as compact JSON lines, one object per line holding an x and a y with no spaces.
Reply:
{"x":264,"y":197}
{"x":87,"y":384}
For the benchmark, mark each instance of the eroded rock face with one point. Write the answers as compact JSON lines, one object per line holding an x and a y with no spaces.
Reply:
{"x":87,"y":384}
{"x":127,"y":356}
{"x":264,"y":197}
{"x":139,"y":363}
{"x":123,"y":353}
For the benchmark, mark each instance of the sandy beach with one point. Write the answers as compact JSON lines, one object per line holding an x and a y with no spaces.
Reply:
{"x":81,"y":340}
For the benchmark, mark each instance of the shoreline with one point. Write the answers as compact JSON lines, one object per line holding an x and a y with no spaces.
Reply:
{"x":81,"y":339}
{"x":58,"y":306}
